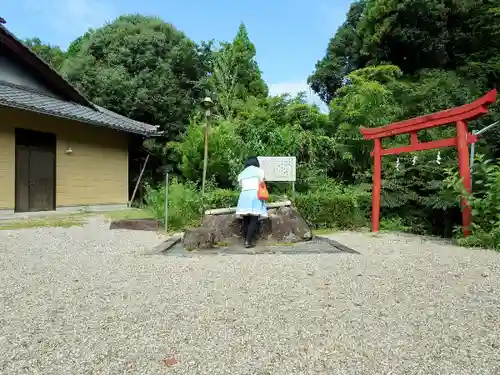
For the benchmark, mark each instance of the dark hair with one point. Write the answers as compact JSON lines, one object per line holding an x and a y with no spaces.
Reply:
{"x":252,"y":161}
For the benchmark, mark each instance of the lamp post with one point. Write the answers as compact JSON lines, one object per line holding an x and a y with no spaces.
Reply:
{"x":207,"y":104}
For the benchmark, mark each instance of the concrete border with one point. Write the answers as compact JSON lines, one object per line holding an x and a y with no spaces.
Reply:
{"x":62,"y":210}
{"x":166,"y":245}
{"x":335,"y":244}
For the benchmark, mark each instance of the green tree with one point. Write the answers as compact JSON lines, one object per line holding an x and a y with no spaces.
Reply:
{"x":52,"y":55}
{"x":249,"y":76}
{"x":140,"y":67}
{"x":342,"y":56}
{"x":76,"y":45}
{"x":367,"y":99}
{"x":271,"y":126}
{"x":223,"y":81}
{"x":411,"y":34}
{"x":460,"y":35}
{"x":378,"y":95}
{"x":423,"y":34}
{"x":234,"y":74}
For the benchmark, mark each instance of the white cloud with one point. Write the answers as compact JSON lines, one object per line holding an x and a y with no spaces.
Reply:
{"x":293,"y":88}
{"x":71,"y":17}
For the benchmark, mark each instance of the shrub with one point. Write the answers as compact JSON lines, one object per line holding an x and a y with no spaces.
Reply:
{"x":394,"y":224}
{"x":485,"y":203}
{"x":339,"y":208}
{"x":184,"y":204}
{"x":481,"y":238}
{"x":220,"y":198}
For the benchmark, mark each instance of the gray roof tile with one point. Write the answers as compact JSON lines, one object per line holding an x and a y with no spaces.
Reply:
{"x":31,"y":100}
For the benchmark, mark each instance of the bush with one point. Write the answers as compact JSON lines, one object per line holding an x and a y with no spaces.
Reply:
{"x":339,"y":208}
{"x":220,"y":198}
{"x":485,"y":203}
{"x":184,"y":204}
{"x":394,"y":224}
{"x":481,"y":238}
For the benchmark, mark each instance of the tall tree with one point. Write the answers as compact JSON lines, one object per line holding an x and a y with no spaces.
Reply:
{"x":140,"y":67}
{"x":223,"y":81}
{"x":249,"y":76}
{"x":411,"y":34}
{"x":342,"y":56}
{"x":234,"y":73}
{"x":423,"y":34}
{"x":461,"y":35}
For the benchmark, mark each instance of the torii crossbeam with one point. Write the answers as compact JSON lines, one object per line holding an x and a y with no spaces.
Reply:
{"x":457,"y":115}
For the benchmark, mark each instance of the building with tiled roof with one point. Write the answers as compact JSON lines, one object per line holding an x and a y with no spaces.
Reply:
{"x":57,"y":149}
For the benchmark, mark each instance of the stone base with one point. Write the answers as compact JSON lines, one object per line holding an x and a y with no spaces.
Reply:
{"x":198,"y":238}
{"x":284,"y":225}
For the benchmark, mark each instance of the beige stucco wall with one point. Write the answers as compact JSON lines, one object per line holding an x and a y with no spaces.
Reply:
{"x":95,"y":173}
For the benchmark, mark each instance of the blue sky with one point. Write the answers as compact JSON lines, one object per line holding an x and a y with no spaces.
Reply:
{"x":290,"y":35}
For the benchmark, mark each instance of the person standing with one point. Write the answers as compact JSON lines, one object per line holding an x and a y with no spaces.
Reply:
{"x":250,"y":208}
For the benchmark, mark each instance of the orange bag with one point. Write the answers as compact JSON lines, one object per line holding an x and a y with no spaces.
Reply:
{"x":262,"y":193}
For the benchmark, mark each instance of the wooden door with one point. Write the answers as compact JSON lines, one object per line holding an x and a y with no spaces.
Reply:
{"x":41,"y":195}
{"x":22,"y":179}
{"x":35,"y":171}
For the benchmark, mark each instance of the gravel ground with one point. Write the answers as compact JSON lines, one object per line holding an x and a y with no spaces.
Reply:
{"x":86,"y":300}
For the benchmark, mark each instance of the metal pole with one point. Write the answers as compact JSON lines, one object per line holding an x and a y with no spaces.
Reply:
{"x":472,"y":154}
{"x":486,"y":128}
{"x":473,"y":145}
{"x":166,"y":202}
{"x":205,"y":156}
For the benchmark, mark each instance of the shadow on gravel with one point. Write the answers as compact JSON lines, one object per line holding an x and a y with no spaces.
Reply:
{"x":318,"y":245}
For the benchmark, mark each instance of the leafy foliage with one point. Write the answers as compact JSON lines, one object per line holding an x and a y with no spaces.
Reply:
{"x":234,"y":75}
{"x":52,"y":55}
{"x":485,"y":202}
{"x":342,"y":56}
{"x":270,"y":126}
{"x":460,"y":35}
{"x":140,"y":67}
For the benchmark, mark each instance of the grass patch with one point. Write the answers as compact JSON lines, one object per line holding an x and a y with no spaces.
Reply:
{"x":321,"y":231}
{"x":129,"y":214}
{"x":60,"y":222}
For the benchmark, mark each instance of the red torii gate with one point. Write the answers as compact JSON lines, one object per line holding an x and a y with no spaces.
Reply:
{"x":458,"y":115}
